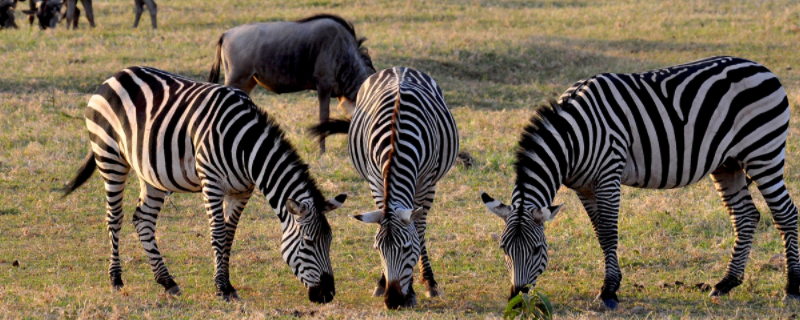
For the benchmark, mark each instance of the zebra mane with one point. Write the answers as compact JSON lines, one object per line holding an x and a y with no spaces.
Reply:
{"x":544,"y":115}
{"x":390,"y":155}
{"x":264,"y":120}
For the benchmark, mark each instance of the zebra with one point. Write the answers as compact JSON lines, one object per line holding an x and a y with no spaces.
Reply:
{"x":667,"y":128}
{"x":402,"y":139}
{"x":180,"y":135}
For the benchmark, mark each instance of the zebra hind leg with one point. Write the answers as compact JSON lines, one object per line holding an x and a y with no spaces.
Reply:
{"x":731,"y":183}
{"x":150,"y":202}
{"x":771,"y":185}
{"x":115,"y":187}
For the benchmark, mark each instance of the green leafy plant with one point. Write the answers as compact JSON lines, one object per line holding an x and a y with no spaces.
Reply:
{"x":529,"y":305}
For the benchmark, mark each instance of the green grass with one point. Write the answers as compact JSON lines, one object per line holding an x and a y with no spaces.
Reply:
{"x":495,"y":60}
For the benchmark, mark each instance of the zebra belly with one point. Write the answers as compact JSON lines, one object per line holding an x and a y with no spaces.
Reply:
{"x":176,"y":175}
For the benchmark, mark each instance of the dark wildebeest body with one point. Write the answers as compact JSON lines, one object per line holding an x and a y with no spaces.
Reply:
{"x":319,"y":53}
{"x":7,"y":14}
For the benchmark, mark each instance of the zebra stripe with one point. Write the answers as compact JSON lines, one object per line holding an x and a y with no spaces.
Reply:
{"x":722,"y":116}
{"x":180,"y":135}
{"x":402,"y":140}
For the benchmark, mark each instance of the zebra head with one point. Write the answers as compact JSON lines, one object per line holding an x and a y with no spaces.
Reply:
{"x":398,"y":243}
{"x":306,"y":246}
{"x":523,"y":240}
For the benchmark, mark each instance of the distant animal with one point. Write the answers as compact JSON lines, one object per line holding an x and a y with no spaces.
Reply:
{"x":402,"y":139}
{"x":151,"y":7}
{"x":7,"y":8}
{"x":46,"y":11}
{"x":319,"y":53}
{"x":723,"y":116}
{"x":179,"y":135}
{"x":73,"y":13}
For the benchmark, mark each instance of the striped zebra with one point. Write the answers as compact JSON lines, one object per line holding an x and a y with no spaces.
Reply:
{"x":402,"y":139}
{"x":668,"y":128}
{"x":180,"y":135}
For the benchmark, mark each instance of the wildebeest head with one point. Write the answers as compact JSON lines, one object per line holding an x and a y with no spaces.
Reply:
{"x":399,"y":247}
{"x":306,"y":246}
{"x":523,"y":240}
{"x":347,"y":101}
{"x":46,"y":11}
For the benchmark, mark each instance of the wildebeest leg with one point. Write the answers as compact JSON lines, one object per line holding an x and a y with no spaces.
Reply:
{"x":731,"y":183}
{"x":421,"y":224}
{"x":150,"y":202}
{"x":324,"y":96}
{"x":601,"y":202}
{"x":139,"y":8}
{"x":153,"y":9}
{"x":71,"y":6}
{"x":87,"y":6}
{"x":233,"y":210}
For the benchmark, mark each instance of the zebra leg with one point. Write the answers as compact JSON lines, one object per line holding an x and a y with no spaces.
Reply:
{"x":769,"y":179}
{"x":233,"y":210}
{"x":731,"y":183}
{"x":115,"y":187}
{"x":421,"y":224}
{"x":150,"y":202}
{"x":602,"y":205}
{"x":215,"y":210}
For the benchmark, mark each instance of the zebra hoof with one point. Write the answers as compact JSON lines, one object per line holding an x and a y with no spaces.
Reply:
{"x":231,"y":296}
{"x":117,"y":284}
{"x":379,"y":292}
{"x":610,"y":304}
{"x":433,"y":292}
{"x":174,"y":291}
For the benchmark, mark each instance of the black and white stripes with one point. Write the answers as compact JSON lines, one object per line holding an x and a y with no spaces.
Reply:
{"x":667,"y":128}
{"x":179,"y":135}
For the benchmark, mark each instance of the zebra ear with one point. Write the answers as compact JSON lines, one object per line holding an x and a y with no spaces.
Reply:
{"x":370,"y":217}
{"x":296,"y":209}
{"x":408,"y":215}
{"x":335,"y":202}
{"x":550,"y":212}
{"x":496,"y":207}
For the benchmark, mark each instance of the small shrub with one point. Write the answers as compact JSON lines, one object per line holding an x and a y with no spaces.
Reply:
{"x":532,"y":305}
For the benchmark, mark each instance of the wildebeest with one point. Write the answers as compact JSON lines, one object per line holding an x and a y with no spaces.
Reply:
{"x":151,"y":7}
{"x":7,"y":14}
{"x":319,"y":53}
{"x":73,"y":13}
{"x":46,"y":11}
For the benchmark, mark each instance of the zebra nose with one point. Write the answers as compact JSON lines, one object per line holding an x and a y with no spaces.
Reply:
{"x":324,"y":292}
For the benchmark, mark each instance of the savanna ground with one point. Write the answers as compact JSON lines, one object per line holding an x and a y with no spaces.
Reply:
{"x":495,"y":60}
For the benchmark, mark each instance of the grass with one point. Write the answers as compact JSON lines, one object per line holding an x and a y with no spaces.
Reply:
{"x":494,"y":60}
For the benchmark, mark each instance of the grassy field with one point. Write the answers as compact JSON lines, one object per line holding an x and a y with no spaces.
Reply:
{"x":495,"y":60}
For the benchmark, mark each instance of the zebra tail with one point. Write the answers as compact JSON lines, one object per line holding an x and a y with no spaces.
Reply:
{"x":213,"y":75}
{"x":333,"y":126}
{"x":84,"y":173}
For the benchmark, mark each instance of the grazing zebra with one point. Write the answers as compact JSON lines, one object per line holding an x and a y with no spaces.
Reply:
{"x":180,"y":135}
{"x":402,"y":139}
{"x":723,"y":116}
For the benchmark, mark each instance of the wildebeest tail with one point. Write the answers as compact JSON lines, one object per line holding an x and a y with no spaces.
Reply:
{"x":213,"y":76}
{"x":333,"y":126}
{"x":84,"y":173}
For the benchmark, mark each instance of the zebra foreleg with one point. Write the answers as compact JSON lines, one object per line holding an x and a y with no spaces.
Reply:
{"x":421,"y":224}
{"x":602,"y":205}
{"x":150,"y":202}
{"x":215,"y":210}
{"x":233,"y":210}
{"x":731,"y":183}
{"x":115,"y":187}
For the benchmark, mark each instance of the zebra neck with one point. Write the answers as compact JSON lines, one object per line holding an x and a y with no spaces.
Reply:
{"x":280,"y":174}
